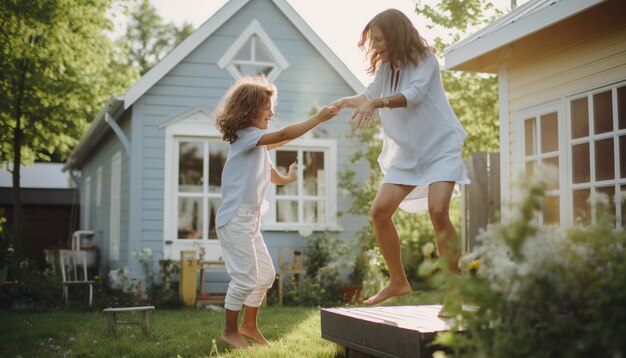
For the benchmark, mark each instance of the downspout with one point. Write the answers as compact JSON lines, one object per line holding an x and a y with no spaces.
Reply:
{"x":118,"y":131}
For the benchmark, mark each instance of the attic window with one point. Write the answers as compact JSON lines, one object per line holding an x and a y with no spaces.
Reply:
{"x":253,"y":53}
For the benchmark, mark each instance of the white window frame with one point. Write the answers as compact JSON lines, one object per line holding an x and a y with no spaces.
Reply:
{"x":536,"y":112}
{"x":592,"y":138}
{"x":197,"y":124}
{"x":116,"y":206}
{"x":254,"y":29}
{"x":99,"y":187}
{"x":329,"y":147}
{"x":87,"y":203}
{"x":566,"y":187}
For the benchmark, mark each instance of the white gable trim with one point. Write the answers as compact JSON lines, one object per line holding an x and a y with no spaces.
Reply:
{"x":254,"y":28}
{"x":512,"y":27}
{"x":181,"y":51}
{"x":198,"y":122}
{"x":211,"y":25}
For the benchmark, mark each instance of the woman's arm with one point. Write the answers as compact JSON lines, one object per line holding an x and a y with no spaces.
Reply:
{"x":279,"y":179}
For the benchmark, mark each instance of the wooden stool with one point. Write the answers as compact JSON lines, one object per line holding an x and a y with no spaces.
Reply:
{"x":113,"y":322}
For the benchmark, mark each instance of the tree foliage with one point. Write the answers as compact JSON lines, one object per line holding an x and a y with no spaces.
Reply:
{"x":148,"y":39}
{"x":473,"y":96}
{"x":56,"y":69}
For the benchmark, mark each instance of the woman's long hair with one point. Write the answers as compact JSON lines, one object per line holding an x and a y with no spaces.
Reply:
{"x":404,"y":43}
{"x":242,"y":104}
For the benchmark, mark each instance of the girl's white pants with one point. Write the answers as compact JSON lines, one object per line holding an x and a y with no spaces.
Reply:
{"x":248,"y":263}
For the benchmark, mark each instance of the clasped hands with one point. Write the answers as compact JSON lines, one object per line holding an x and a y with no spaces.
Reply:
{"x":364,"y":114}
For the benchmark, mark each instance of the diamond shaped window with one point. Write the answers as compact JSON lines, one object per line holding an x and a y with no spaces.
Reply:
{"x":253,"y":53}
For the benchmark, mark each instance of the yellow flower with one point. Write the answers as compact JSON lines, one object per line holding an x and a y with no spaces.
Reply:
{"x":474,"y":265}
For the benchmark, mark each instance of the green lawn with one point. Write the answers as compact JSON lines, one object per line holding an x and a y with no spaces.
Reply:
{"x":293,"y":331}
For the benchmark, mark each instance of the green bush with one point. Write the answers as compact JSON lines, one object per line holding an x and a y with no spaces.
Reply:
{"x":544,"y":291}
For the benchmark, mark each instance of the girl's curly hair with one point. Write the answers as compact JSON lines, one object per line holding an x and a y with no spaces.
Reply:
{"x":242,"y":104}
{"x":404,"y":43}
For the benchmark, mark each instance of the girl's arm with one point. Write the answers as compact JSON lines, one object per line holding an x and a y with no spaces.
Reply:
{"x":279,"y":179}
{"x":293,"y":131}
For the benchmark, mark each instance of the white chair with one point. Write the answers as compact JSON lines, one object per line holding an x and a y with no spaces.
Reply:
{"x":72,"y":263}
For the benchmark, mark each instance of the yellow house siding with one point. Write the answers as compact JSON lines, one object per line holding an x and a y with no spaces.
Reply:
{"x":576,"y":55}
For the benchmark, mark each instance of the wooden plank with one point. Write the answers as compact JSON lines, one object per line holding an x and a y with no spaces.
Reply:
{"x":391,"y":331}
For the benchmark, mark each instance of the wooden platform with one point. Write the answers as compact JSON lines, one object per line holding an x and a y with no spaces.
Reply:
{"x":392,"y":331}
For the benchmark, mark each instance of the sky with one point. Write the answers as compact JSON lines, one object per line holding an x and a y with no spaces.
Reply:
{"x":337,"y":22}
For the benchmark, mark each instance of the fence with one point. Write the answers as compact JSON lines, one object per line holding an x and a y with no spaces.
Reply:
{"x":480,"y":204}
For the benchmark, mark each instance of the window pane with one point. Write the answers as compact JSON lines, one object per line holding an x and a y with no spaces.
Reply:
{"x":549,"y":133}
{"x":529,"y":136}
{"x":286,"y":211}
{"x":621,"y":107}
{"x":530,"y":168}
{"x":214,"y":204}
{"x":582,"y":210}
{"x":190,"y":161}
{"x":190,"y":218}
{"x":551,"y":209}
{"x":251,"y":70}
{"x":217,"y":158}
{"x":609,"y":199}
{"x":602,"y":112}
{"x":314,"y":178}
{"x":605,"y":162}
{"x":261,"y":53}
{"x":580,"y":163}
{"x":244,"y":53}
{"x":580,"y":118}
{"x":553,"y":183}
{"x":314,"y":212}
{"x":284,"y":158}
{"x":622,"y":156}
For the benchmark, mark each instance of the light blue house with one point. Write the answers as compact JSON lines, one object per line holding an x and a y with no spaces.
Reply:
{"x":150,"y":164}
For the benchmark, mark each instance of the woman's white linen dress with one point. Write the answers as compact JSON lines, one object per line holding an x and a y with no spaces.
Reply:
{"x":422,"y":142}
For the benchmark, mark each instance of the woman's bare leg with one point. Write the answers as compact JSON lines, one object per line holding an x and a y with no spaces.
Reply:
{"x":231,"y":334}
{"x":385,"y":203}
{"x":448,"y":245}
{"x":249,"y":328}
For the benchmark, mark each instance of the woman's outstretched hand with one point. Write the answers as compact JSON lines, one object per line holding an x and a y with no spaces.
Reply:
{"x":363,"y":114}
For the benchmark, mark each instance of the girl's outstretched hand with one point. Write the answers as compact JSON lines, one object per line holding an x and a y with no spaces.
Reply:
{"x":292,"y":174}
{"x":327,"y":112}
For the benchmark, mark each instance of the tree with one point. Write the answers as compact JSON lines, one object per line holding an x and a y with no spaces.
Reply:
{"x":148,"y":39}
{"x":474,"y":97}
{"x":56,"y":68}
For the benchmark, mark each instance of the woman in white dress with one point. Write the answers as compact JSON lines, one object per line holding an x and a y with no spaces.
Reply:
{"x":422,"y":140}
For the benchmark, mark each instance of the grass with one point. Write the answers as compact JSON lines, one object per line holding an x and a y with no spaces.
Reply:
{"x":189,"y":332}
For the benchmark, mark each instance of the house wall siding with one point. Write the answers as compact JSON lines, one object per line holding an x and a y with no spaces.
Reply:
{"x":197,"y":81}
{"x":576,"y":55}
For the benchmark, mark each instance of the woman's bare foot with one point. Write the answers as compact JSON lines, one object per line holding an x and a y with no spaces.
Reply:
{"x":234,"y":339}
{"x":253,"y":334}
{"x":391,"y":290}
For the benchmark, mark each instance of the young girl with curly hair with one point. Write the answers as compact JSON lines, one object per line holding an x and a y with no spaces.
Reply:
{"x":243,"y":117}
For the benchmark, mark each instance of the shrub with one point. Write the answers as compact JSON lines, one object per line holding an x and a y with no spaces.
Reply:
{"x":544,"y":291}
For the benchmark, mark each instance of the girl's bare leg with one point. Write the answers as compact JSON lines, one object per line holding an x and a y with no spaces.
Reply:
{"x":231,"y":334}
{"x":385,"y":204}
{"x":249,"y":328}
{"x":448,"y":245}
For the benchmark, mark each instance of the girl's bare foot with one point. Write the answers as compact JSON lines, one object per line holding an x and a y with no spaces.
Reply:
{"x":234,"y":339}
{"x":391,"y":290}
{"x":253,"y":334}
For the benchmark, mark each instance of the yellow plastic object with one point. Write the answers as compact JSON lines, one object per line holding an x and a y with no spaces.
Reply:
{"x":188,"y":278}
